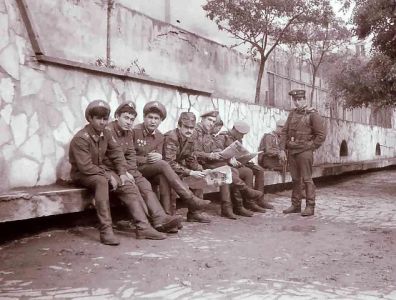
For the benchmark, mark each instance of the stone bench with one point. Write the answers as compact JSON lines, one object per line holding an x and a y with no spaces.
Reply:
{"x":58,"y":199}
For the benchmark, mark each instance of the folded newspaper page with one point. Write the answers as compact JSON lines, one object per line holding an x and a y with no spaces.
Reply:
{"x":247,"y":157}
{"x":213,"y":177}
{"x":237,"y":150}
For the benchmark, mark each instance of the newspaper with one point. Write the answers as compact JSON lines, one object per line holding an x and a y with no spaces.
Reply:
{"x":213,"y":177}
{"x":247,"y":157}
{"x":237,"y":150}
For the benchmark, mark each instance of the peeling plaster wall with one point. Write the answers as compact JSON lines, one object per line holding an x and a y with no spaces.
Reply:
{"x":42,"y":106}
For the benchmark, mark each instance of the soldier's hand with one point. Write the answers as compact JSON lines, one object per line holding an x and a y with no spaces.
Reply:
{"x":197,"y":174}
{"x":152,"y":157}
{"x":113,"y":183}
{"x":233,"y":162}
{"x":215,"y":156}
{"x":282,"y":156}
{"x":131,"y":178}
{"x":125,"y":178}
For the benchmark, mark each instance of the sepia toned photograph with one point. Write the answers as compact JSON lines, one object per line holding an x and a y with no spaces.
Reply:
{"x":197,"y":149}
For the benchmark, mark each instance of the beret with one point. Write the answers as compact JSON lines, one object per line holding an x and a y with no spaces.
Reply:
{"x":212,"y":113}
{"x":187,"y":119}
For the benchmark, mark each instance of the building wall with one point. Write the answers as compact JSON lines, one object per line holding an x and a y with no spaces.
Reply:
{"x":41,"y":105}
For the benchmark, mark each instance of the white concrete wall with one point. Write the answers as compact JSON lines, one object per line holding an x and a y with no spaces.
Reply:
{"x":42,"y":106}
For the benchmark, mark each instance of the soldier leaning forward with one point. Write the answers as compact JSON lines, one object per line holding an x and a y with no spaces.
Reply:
{"x":120,"y":129}
{"x":303,"y":133}
{"x":207,"y":151}
{"x":148,"y":142}
{"x":178,"y":152}
{"x":270,"y":145}
{"x":88,"y":149}
{"x":226,"y":138}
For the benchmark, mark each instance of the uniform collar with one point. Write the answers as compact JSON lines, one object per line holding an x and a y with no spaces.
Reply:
{"x":93,"y":134}
{"x":118,"y":130}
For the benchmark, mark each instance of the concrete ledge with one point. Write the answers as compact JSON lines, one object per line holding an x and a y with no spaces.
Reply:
{"x":60,"y":199}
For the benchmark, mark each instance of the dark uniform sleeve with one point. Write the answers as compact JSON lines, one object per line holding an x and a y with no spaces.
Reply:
{"x":82,"y":155}
{"x":283,"y":135}
{"x":115,"y":154}
{"x":319,"y":131}
{"x":130,"y":157}
{"x":170,"y":155}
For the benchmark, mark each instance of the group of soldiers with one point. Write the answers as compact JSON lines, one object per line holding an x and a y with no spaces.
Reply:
{"x":128,"y":161}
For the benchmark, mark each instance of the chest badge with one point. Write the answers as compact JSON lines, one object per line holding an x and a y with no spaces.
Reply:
{"x":141,"y":143}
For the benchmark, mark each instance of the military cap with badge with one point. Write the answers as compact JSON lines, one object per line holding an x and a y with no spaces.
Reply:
{"x":97,"y":107}
{"x":155,"y":107}
{"x":127,"y":106}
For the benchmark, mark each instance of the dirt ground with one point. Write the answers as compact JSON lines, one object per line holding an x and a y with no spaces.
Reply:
{"x":346,"y":251}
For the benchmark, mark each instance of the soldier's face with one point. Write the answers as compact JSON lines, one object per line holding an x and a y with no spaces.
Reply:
{"x":186,"y":131}
{"x":152,"y":121}
{"x":208,"y":123}
{"x":98,"y":123}
{"x":300,"y":102}
{"x":125,"y":120}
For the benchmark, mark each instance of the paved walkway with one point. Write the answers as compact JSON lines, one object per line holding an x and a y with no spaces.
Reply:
{"x":346,"y":251}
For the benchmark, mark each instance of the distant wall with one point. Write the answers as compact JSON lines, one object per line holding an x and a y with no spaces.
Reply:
{"x":41,"y":105}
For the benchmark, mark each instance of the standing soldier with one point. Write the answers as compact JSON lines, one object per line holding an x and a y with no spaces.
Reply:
{"x":120,"y":129}
{"x":88,"y":149}
{"x":226,"y":138}
{"x":208,"y":154}
{"x":149,"y":141}
{"x":303,"y":133}
{"x":270,"y":145}
{"x":178,"y":152}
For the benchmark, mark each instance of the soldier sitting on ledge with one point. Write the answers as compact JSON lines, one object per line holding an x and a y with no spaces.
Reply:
{"x":270,"y":145}
{"x":178,"y":152}
{"x":149,"y":141}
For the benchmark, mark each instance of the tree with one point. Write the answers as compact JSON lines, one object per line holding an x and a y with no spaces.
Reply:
{"x":370,"y":81}
{"x":319,"y":41}
{"x":264,"y":24}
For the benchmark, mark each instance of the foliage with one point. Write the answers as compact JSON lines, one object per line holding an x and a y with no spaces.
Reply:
{"x":372,"y":81}
{"x":359,"y":82}
{"x":319,"y":41}
{"x":265,"y":24}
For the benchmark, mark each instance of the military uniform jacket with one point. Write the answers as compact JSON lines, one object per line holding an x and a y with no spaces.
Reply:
{"x":179,"y":153}
{"x":146,"y":142}
{"x":88,"y":151}
{"x":224,"y":139}
{"x":124,"y":139}
{"x":269,"y":144}
{"x":304,"y":130}
{"x":204,"y":144}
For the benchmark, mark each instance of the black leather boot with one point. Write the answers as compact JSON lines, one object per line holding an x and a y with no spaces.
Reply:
{"x":295,"y":199}
{"x":238,"y":204}
{"x":310,"y":202}
{"x":107,"y":236}
{"x":226,"y":204}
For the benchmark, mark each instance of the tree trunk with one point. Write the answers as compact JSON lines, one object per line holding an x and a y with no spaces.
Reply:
{"x":259,"y":78}
{"x":313,"y":86}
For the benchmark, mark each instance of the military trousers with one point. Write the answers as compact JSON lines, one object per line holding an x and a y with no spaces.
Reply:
{"x":162,"y":173}
{"x":300,"y":165}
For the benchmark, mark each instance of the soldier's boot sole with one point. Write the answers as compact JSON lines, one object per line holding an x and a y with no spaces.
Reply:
{"x":308,"y":211}
{"x":292,"y":210}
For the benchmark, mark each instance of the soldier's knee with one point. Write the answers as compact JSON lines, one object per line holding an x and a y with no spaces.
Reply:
{"x":101,"y":181}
